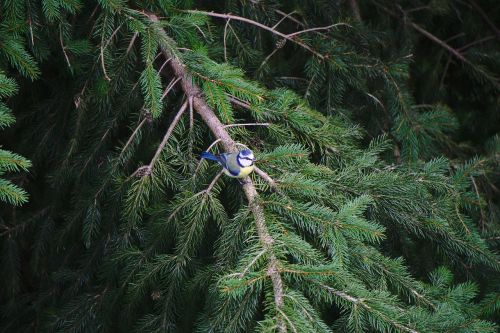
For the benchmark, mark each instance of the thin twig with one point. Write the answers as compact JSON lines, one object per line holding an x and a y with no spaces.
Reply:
{"x":479,"y":41}
{"x":64,"y":48}
{"x":445,"y":71}
{"x":225,"y":34}
{"x":163,"y":65}
{"x":214,"y":181}
{"x":205,"y":191}
{"x":167,"y":135}
{"x":237,"y":102}
{"x":213,"y":144}
{"x":30,"y":23}
{"x":292,"y":78}
{"x":260,"y":25}
{"x":283,"y":18}
{"x":108,"y":41}
{"x":317,"y":29}
{"x":254,"y":260}
{"x":169,"y":87}
{"x":102,"y":56}
{"x":425,"y":33}
{"x":132,"y":136}
{"x":247,"y":124}
{"x":290,"y":17}
{"x":104,"y":66}
{"x":132,"y":41}
{"x":478,"y":202}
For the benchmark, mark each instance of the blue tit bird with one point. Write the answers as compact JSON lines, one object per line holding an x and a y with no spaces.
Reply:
{"x":236,"y":165}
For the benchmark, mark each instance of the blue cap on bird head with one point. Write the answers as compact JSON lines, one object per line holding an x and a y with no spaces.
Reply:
{"x":246,"y":158}
{"x":246,"y":152}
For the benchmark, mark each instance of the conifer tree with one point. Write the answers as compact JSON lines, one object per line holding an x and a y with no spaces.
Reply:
{"x":366,"y":212}
{"x":13,"y":53}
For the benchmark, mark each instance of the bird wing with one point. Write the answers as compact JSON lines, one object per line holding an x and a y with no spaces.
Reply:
{"x":229,"y":162}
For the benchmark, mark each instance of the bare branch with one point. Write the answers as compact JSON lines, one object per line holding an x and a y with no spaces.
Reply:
{"x":213,"y":144}
{"x":290,"y":17}
{"x":163,"y":65}
{"x":64,"y":48}
{"x":112,"y":36}
{"x":132,"y":136}
{"x":132,"y":41}
{"x":285,"y":16}
{"x":260,"y":25}
{"x":225,"y":34}
{"x":169,"y":87}
{"x":237,"y":102}
{"x":167,"y":135}
{"x":213,"y":182}
{"x":247,"y":124}
{"x":317,"y":29}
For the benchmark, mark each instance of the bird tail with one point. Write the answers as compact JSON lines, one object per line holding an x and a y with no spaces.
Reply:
{"x":209,"y":156}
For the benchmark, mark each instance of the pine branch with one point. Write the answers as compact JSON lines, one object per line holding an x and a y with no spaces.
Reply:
{"x":361,"y":302}
{"x":206,"y":113}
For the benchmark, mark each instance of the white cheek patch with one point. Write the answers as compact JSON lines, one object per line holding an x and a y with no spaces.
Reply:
{"x":244,"y":162}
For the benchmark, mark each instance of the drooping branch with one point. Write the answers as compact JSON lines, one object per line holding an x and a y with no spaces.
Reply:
{"x":194,"y":94}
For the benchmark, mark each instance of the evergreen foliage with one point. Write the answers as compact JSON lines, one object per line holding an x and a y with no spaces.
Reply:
{"x":376,"y":206}
{"x":13,"y":51}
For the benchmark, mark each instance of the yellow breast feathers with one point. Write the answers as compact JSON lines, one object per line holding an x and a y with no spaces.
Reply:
{"x":244,"y":171}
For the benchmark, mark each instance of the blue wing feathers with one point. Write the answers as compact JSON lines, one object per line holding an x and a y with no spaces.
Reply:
{"x":222,"y":159}
{"x":209,"y":156}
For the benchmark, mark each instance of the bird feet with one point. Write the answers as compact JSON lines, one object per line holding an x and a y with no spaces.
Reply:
{"x":243,"y":182}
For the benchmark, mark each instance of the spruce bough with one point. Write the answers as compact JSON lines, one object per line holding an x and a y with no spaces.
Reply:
{"x":333,"y":232}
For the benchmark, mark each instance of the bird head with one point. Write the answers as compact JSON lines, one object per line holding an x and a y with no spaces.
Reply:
{"x":246,"y":157}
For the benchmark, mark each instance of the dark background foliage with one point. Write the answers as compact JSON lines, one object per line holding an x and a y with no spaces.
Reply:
{"x":394,"y":104}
